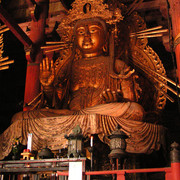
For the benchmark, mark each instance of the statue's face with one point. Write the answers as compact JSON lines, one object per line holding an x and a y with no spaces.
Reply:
{"x":90,"y":38}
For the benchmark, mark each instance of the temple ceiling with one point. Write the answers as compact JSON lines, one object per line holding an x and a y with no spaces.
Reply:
{"x":153,"y":11}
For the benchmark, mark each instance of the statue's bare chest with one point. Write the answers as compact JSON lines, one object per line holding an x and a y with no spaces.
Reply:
{"x":86,"y":73}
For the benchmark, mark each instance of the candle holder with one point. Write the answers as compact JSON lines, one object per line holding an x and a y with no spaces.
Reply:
{"x":27,"y":154}
{"x":91,"y":150}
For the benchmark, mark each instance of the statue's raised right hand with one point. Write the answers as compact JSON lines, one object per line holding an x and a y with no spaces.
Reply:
{"x":47,"y":72}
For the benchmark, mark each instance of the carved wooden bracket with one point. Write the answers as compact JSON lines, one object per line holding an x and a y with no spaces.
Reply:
{"x":15,"y":29}
{"x":31,"y":52}
{"x":28,"y":53}
{"x":33,"y":8}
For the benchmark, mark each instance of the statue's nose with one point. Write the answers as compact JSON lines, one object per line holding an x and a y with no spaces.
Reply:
{"x":87,"y":39}
{"x":87,"y":32}
{"x":87,"y":36}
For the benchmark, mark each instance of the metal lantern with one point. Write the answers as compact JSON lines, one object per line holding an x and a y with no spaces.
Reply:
{"x":118,"y":145}
{"x":75,"y":142}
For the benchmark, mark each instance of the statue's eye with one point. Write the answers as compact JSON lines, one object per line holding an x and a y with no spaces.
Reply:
{"x":81,"y":31}
{"x":93,"y":29}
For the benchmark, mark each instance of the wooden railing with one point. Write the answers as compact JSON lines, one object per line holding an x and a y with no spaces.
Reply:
{"x":61,"y":166}
{"x":171,"y":173}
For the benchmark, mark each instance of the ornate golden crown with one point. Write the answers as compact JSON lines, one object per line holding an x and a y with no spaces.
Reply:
{"x":85,"y":9}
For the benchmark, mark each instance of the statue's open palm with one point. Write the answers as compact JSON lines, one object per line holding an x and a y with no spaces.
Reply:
{"x":47,"y":72}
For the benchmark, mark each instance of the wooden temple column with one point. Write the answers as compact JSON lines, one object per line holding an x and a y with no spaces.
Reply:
{"x":175,"y":161}
{"x":175,"y":15}
{"x":34,"y":55}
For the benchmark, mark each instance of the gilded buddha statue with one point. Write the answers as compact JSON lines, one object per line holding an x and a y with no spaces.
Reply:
{"x":89,"y":86}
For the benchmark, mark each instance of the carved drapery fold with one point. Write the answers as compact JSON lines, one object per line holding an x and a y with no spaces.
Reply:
{"x":143,"y":137}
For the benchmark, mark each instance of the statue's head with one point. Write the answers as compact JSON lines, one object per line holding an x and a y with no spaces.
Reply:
{"x":90,"y":36}
{"x":86,"y":22}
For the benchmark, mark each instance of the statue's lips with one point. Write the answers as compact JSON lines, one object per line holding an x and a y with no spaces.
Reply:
{"x":87,"y":46}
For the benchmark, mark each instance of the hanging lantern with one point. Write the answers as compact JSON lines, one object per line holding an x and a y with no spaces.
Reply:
{"x":75,"y":142}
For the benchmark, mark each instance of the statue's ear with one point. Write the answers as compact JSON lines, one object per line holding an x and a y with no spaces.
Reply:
{"x":105,"y":48}
{"x":106,"y":45}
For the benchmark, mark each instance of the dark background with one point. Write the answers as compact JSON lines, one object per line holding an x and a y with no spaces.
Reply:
{"x":12,"y":81}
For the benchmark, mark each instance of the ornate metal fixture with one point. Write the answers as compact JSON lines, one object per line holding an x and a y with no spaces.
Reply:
{"x":45,"y":153}
{"x":75,"y":142}
{"x":175,"y":153}
{"x":4,"y":62}
{"x":118,"y":146}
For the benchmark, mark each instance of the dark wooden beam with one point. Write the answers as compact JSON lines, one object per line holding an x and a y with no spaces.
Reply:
{"x":15,"y":29}
{"x":145,"y":6}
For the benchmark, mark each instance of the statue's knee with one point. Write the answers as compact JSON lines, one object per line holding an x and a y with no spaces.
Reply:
{"x":138,"y":107}
{"x":138,"y":111}
{"x":16,"y":117}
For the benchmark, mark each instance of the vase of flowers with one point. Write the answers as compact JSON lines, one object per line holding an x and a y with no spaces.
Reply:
{"x":15,"y":149}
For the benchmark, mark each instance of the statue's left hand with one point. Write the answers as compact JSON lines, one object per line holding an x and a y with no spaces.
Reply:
{"x":111,"y":96}
{"x":47,"y":72}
